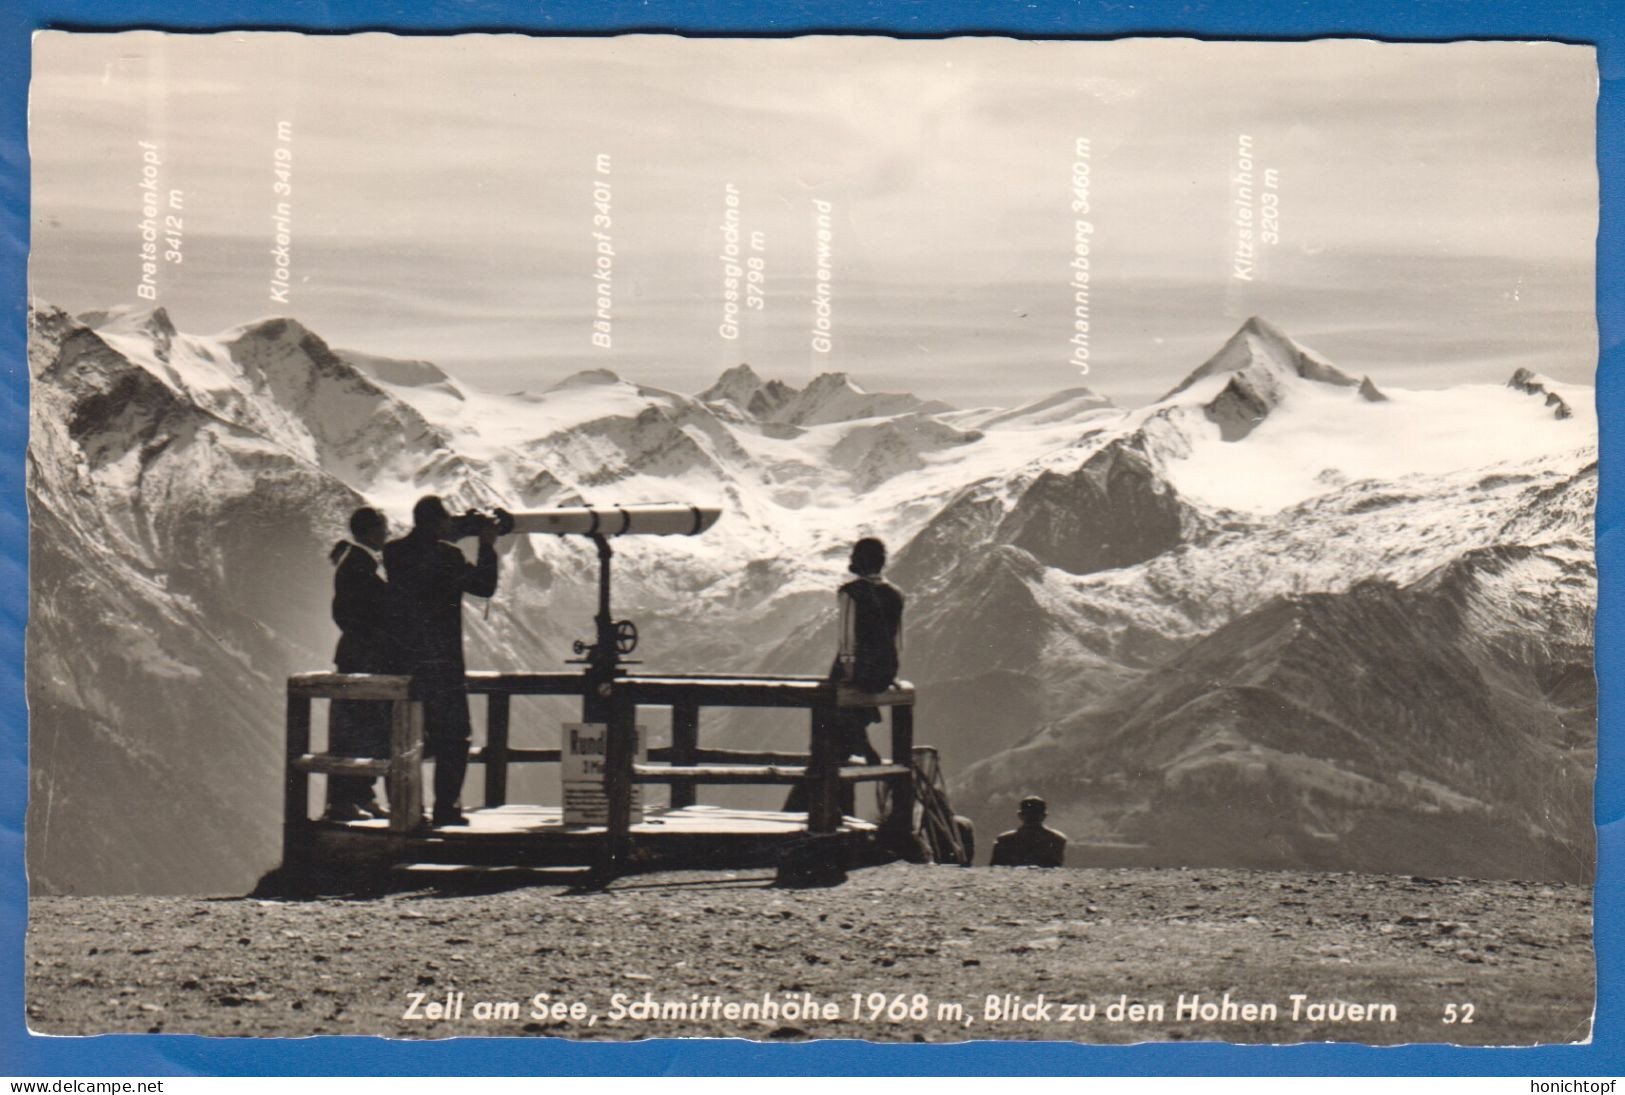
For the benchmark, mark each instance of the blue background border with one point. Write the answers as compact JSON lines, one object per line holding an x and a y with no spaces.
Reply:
{"x":1601,"y":22}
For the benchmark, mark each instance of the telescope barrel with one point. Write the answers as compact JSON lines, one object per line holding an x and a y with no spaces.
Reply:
{"x":663,"y":519}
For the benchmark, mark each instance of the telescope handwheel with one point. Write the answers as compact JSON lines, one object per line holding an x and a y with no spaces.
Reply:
{"x":626,"y":636}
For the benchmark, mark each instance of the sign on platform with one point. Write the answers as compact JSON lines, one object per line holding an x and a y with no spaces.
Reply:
{"x":582,"y":765}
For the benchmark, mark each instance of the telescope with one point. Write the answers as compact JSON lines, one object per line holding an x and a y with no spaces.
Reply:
{"x":615,"y":638}
{"x":473,"y":522}
{"x":661,"y":519}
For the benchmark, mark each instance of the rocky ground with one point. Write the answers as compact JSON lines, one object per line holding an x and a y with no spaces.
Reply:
{"x":896,"y":953}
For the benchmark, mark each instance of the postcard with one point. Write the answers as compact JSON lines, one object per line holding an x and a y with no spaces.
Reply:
{"x":817,"y":537}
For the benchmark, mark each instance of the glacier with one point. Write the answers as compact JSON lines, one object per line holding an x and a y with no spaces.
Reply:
{"x":1282,"y":616}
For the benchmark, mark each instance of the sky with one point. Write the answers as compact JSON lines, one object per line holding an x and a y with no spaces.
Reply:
{"x":1437,"y":204}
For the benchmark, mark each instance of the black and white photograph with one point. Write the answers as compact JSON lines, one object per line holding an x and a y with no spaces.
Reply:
{"x":845,"y":537}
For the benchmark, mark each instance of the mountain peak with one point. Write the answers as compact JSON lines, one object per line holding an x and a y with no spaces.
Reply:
{"x":285,"y":354}
{"x":126,"y":318}
{"x":151,"y":323}
{"x":1056,"y":407}
{"x":1258,"y":325}
{"x":155,"y":322}
{"x":835,"y":397}
{"x":1259,"y":345}
{"x":1263,"y":363}
{"x":829,"y":382}
{"x":587,"y":378}
{"x":1532,"y":383}
{"x":402,"y":372}
{"x":828,"y":397}
{"x":269,"y":329}
{"x":749,"y":393}
{"x":737,"y":385}
{"x":741,"y":373}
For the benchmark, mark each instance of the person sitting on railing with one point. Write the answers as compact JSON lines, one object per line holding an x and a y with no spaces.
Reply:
{"x":870,"y":626}
{"x":363,"y":608}
{"x":869,"y":629}
{"x":430,"y":576}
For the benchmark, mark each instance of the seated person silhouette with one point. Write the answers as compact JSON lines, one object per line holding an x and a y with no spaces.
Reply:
{"x":869,"y":621}
{"x":1033,"y":844}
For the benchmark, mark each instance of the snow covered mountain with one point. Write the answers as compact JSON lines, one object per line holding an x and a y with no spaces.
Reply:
{"x":831,"y":397}
{"x":1279,"y":616}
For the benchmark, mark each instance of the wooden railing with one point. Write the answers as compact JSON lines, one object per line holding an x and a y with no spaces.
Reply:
{"x":402,"y":770}
{"x":683,"y":765}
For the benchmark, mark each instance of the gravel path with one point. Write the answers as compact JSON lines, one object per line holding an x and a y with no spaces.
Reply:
{"x":931,"y":953}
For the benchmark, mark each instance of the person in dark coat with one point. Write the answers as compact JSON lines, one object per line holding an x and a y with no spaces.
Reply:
{"x":1034,"y":844}
{"x":430,"y":576}
{"x":363,"y":608}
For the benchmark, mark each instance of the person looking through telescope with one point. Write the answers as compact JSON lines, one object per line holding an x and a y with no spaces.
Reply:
{"x":430,"y":575}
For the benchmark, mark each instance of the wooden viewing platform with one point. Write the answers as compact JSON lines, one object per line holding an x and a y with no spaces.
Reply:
{"x":686,"y":833}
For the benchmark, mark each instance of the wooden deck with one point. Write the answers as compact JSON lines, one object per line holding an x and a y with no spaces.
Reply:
{"x":503,"y":834}
{"x":514,"y":820}
{"x":535,"y":836}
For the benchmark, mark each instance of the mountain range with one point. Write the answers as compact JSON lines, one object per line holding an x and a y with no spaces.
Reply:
{"x":1283,"y":616}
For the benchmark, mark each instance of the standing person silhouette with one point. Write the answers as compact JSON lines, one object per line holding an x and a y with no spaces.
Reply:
{"x":430,"y":575}
{"x":364,"y":609}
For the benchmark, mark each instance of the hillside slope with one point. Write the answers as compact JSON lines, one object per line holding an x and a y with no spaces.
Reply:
{"x":1254,"y":597}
